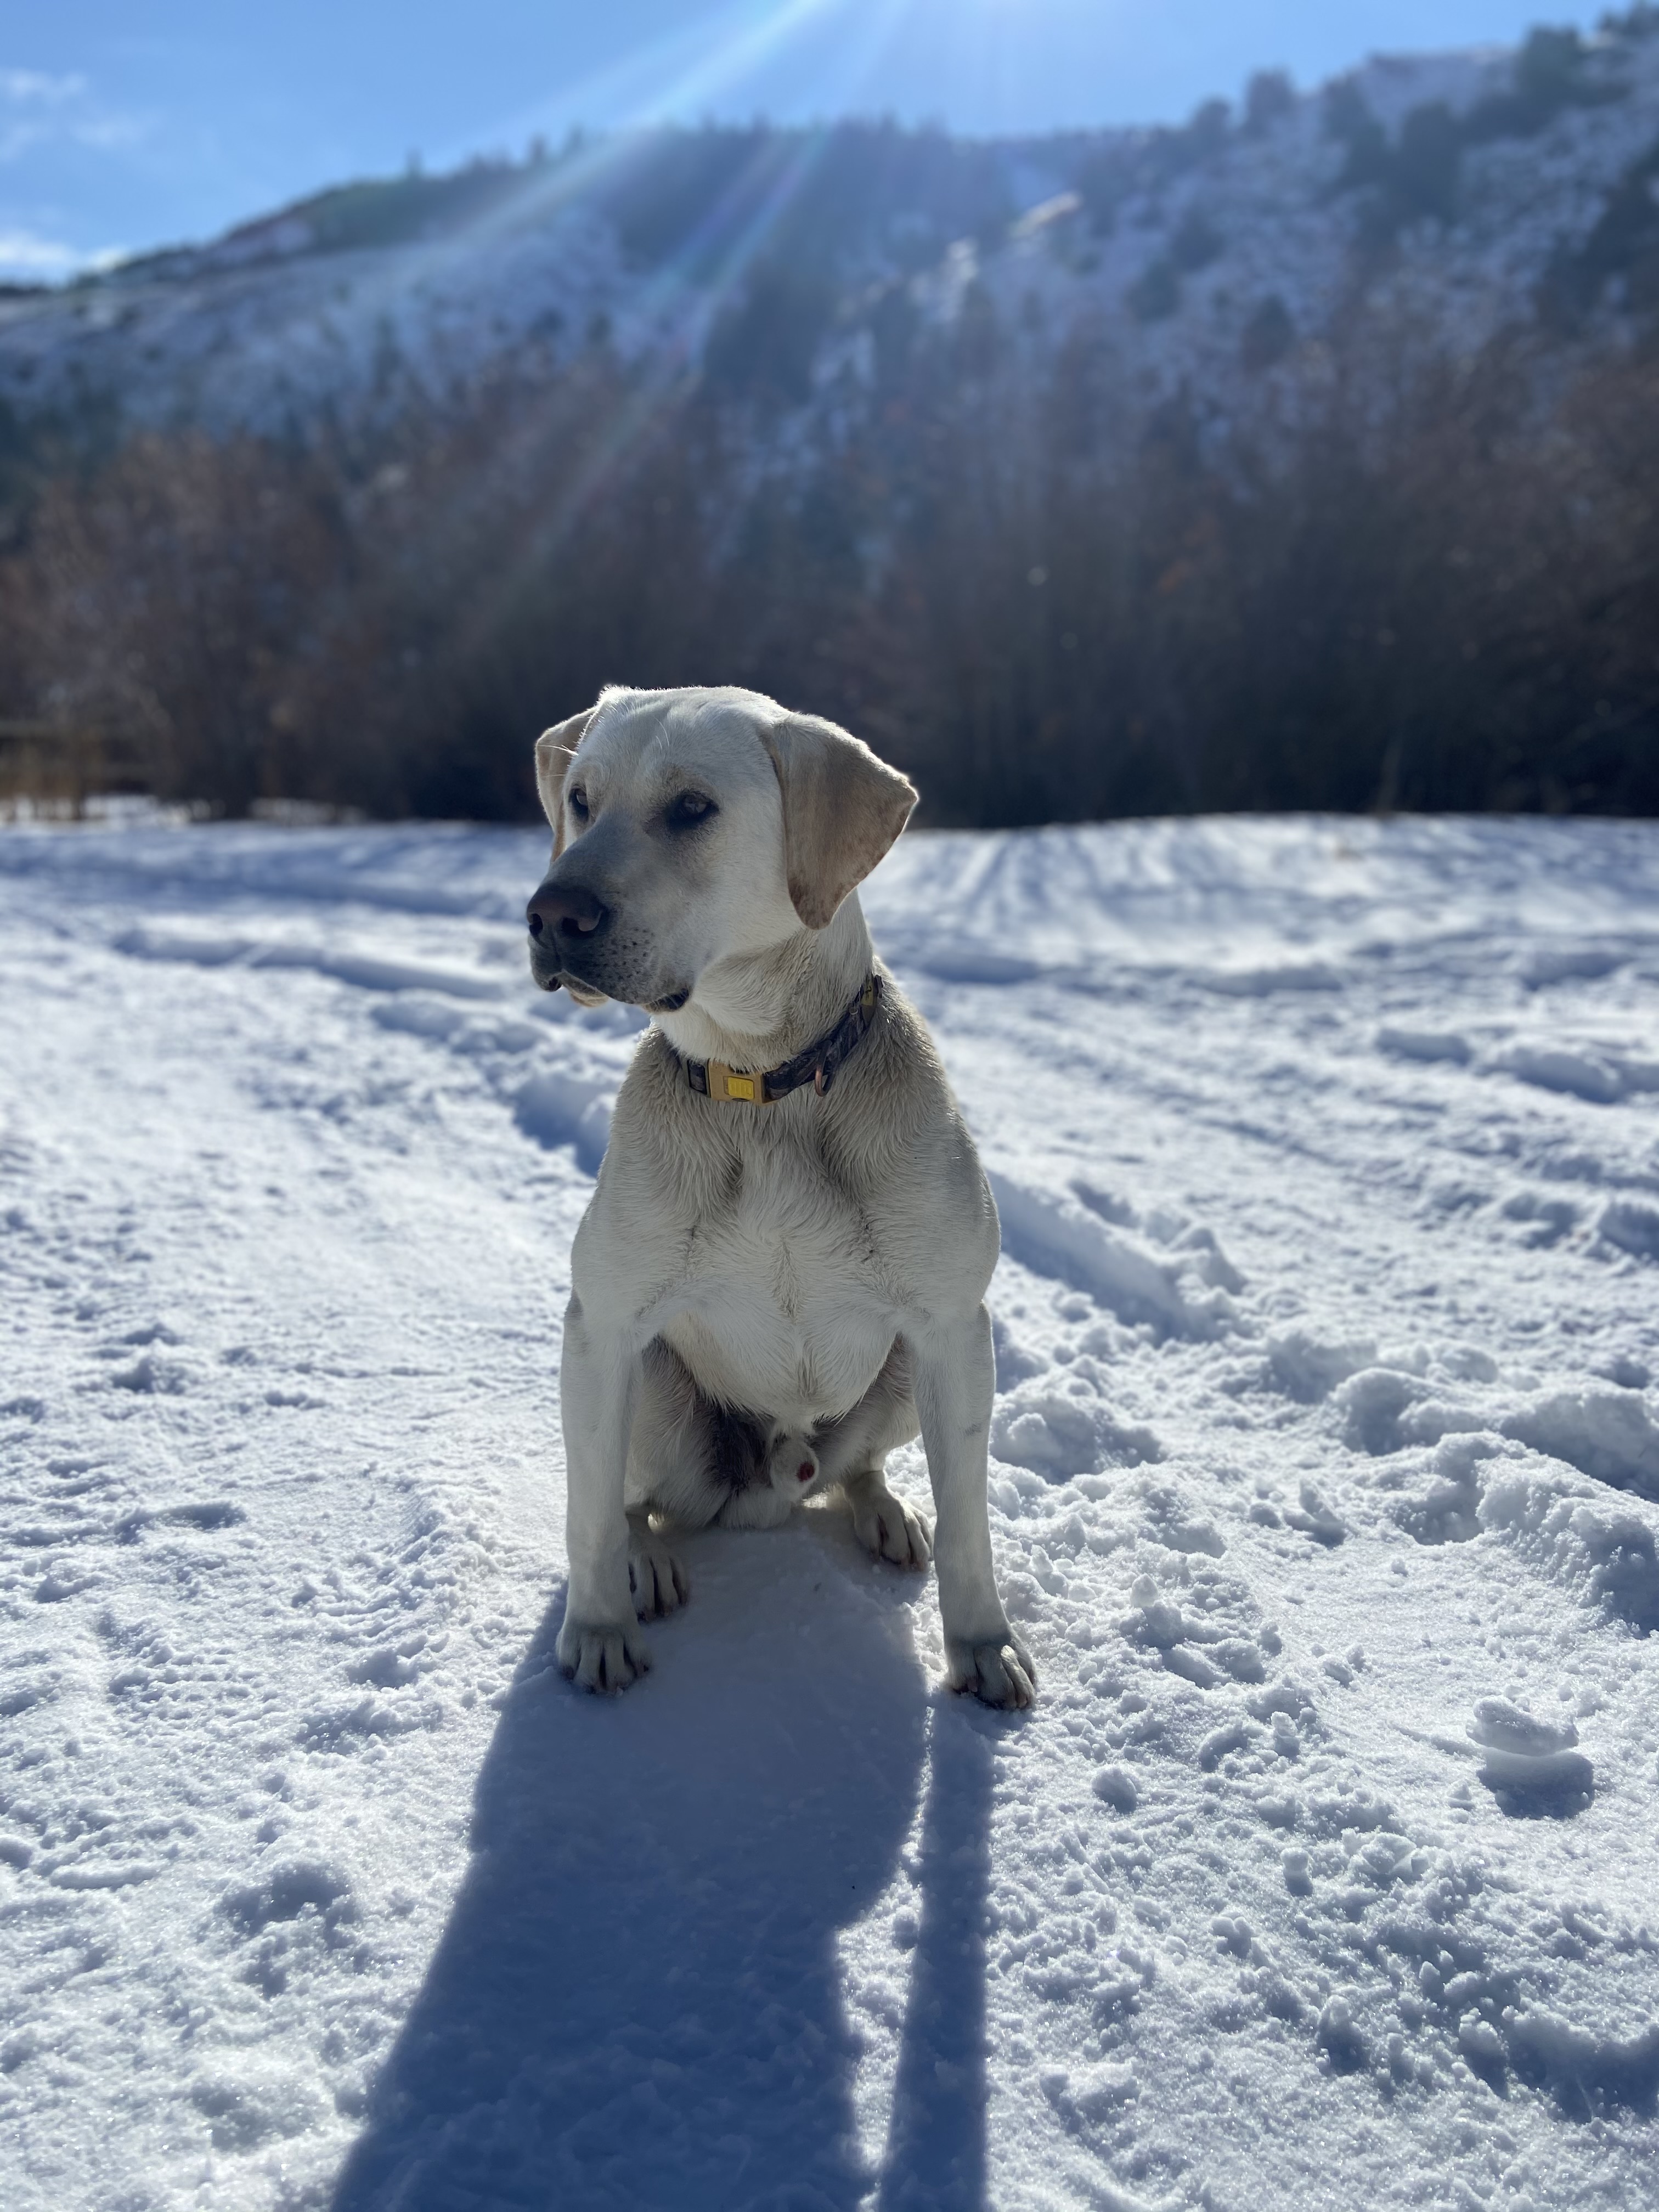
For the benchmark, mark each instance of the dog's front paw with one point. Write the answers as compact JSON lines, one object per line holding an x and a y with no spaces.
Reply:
{"x":659,"y":1582}
{"x":998,"y":1672}
{"x":887,"y":1527}
{"x":602,"y":1655}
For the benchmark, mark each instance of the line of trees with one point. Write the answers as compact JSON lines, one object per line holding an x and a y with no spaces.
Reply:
{"x":1433,"y":588}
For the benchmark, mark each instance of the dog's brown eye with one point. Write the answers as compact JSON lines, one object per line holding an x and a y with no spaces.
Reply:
{"x":690,"y":808}
{"x":577,"y":803}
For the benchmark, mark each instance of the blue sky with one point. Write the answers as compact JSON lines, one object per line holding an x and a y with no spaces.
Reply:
{"x":125,"y":127}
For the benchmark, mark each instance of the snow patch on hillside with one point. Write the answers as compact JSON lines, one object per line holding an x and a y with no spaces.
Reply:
{"x":1169,"y":279}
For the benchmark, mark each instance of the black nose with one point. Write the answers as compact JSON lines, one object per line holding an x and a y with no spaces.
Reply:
{"x":565,"y":910}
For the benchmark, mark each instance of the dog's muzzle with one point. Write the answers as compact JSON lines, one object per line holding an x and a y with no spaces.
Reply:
{"x":563,"y":918}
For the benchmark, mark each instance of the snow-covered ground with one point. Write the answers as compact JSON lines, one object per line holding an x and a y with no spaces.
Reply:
{"x":1326,"y":1489}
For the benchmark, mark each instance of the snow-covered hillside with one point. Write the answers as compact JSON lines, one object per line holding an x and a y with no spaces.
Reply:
{"x":1459,"y":189}
{"x":1326,"y":1489}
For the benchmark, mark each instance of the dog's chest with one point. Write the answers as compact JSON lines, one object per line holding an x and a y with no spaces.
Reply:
{"x":787,"y":1305}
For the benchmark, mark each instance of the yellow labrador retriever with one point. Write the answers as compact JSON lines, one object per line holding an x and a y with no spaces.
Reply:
{"x":781,"y":1275}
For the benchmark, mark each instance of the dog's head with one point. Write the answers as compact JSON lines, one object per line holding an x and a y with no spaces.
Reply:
{"x":694,"y":827}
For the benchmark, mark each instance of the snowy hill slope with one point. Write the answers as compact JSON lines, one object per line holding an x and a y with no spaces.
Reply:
{"x":1326,"y":1486}
{"x":1468,"y":193}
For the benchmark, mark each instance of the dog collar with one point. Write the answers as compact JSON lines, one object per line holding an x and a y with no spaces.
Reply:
{"x":818,"y":1064}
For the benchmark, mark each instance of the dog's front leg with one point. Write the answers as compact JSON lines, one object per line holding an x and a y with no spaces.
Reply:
{"x":599,"y":1644}
{"x":954,"y":1378}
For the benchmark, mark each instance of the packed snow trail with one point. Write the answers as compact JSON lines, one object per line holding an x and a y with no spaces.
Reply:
{"x":1326,"y":1486}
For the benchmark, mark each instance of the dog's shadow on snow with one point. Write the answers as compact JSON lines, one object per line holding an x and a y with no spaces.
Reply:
{"x":636,"y":2002}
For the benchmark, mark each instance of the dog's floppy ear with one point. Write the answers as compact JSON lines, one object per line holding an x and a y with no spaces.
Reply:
{"x":843,"y":808}
{"x":554,"y":749}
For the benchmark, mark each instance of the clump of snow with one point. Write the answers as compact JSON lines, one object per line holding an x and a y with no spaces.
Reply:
{"x":1530,"y":1762}
{"x":1323,"y":1484}
{"x":1608,"y":1434}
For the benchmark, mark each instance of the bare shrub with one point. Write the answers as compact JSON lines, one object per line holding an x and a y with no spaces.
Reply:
{"x":1423,"y":583}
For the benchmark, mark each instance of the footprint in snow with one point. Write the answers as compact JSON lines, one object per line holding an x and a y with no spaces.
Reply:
{"x":151,"y":1376}
{"x":1158,"y":1623}
{"x":1316,"y":1518}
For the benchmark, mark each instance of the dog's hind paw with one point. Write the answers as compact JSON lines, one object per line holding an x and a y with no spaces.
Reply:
{"x":603,"y":1655}
{"x":886,"y":1526}
{"x":998,"y":1673}
{"x":660,"y":1584}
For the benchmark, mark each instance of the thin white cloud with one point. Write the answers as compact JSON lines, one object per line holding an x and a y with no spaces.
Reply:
{"x":26,"y":87}
{"x":25,"y":254}
{"x":39,"y":110}
{"x":28,"y":257}
{"x":109,"y":132}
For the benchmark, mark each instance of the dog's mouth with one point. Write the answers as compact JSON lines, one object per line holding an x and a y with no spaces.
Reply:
{"x":584,"y":993}
{"x":548,"y":977}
